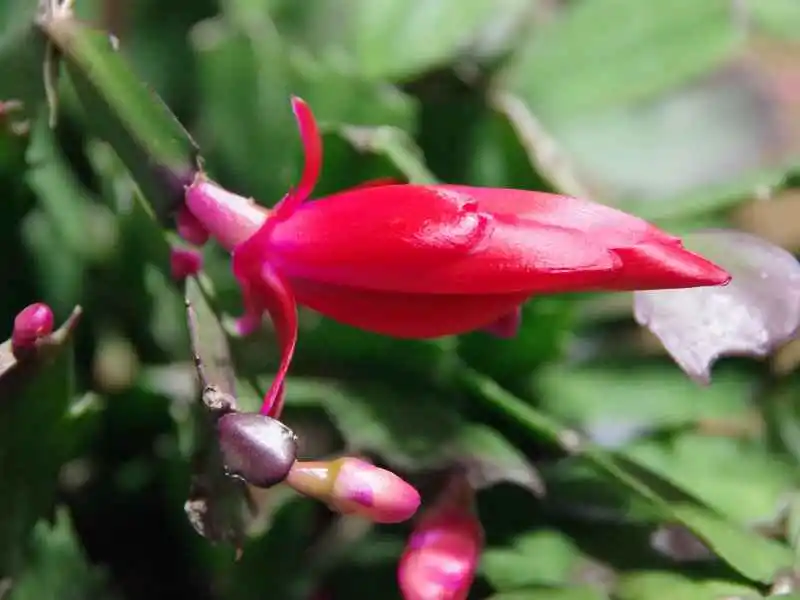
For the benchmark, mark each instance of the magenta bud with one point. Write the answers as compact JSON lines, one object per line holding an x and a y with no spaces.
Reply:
{"x":184,"y":262}
{"x":442,"y":554}
{"x":189,"y":228}
{"x":353,"y":486}
{"x":256,"y":448}
{"x":32,"y":323}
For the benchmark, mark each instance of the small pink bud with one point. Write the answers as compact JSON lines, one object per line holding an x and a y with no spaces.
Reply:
{"x":243,"y":326}
{"x":32,"y":323}
{"x":185,"y":262}
{"x":352,"y":486}
{"x":189,"y":228}
{"x":442,"y":554}
{"x":229,"y":218}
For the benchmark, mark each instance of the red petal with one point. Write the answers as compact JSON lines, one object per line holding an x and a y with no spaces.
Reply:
{"x":421,"y":239}
{"x":651,"y":258}
{"x":616,"y":227}
{"x":653,"y":266}
{"x":404,"y":315}
{"x":269,"y":291}
{"x":312,"y":149}
{"x":312,"y":146}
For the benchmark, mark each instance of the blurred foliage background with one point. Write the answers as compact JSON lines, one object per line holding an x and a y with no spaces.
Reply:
{"x":684,"y":112}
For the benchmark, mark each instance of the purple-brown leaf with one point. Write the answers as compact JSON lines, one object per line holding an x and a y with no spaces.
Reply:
{"x":757,"y":311}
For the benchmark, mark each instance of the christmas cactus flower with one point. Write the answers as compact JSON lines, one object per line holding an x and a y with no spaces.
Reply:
{"x":422,"y":261}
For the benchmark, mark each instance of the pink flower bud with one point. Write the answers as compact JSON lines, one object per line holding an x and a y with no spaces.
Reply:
{"x":228,"y":217}
{"x":33,"y":322}
{"x":185,"y":262}
{"x":352,"y":486}
{"x":189,"y":228}
{"x":442,"y":554}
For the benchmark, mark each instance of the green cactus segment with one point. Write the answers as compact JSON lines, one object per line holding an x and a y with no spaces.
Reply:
{"x":153,"y":145}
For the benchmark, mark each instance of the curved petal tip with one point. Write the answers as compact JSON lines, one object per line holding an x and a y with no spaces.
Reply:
{"x":652,"y":266}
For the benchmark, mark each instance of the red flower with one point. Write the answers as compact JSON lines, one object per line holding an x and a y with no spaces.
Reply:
{"x":420,"y":261}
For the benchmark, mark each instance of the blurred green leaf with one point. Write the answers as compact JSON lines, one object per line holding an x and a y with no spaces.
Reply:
{"x":396,"y":146}
{"x":587,"y":60}
{"x":541,"y":558}
{"x":357,"y":352}
{"x":245,"y":123}
{"x":546,"y":593}
{"x":59,"y":273}
{"x":545,"y":331}
{"x":414,"y":433}
{"x":151,"y":142}
{"x":251,"y":134}
{"x":593,"y":103}
{"x":66,"y":200}
{"x":777,"y":17}
{"x":663,"y":584}
{"x":219,"y":507}
{"x":34,"y":436}
{"x":736,"y":478}
{"x":647,"y":396}
{"x":741,"y":469}
{"x":58,"y":568}
{"x":395,"y":39}
{"x":340,"y":96}
{"x":22,"y":55}
{"x":209,"y":342}
{"x":755,"y":557}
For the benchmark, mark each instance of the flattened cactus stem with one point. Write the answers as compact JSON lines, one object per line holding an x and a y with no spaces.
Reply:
{"x":160,"y":155}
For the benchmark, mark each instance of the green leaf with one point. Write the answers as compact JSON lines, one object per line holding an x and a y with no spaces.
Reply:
{"x":209,"y":342}
{"x":34,"y":436}
{"x":219,"y":507}
{"x":777,"y":17}
{"x":647,"y":396}
{"x":693,"y":135}
{"x":66,"y":201}
{"x":747,"y":484}
{"x":58,"y":568}
{"x":664,"y":584}
{"x":755,"y":557}
{"x":544,"y":593}
{"x":245,"y":121}
{"x":247,"y":75}
{"x":586,"y":61}
{"x":541,"y":558}
{"x":151,"y":142}
{"x":396,"y":39}
{"x":339,"y":96}
{"x":358,"y":352}
{"x":396,"y":146}
{"x":737,"y":479}
{"x":545,"y":331}
{"x":22,"y":55}
{"x":414,"y":433}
